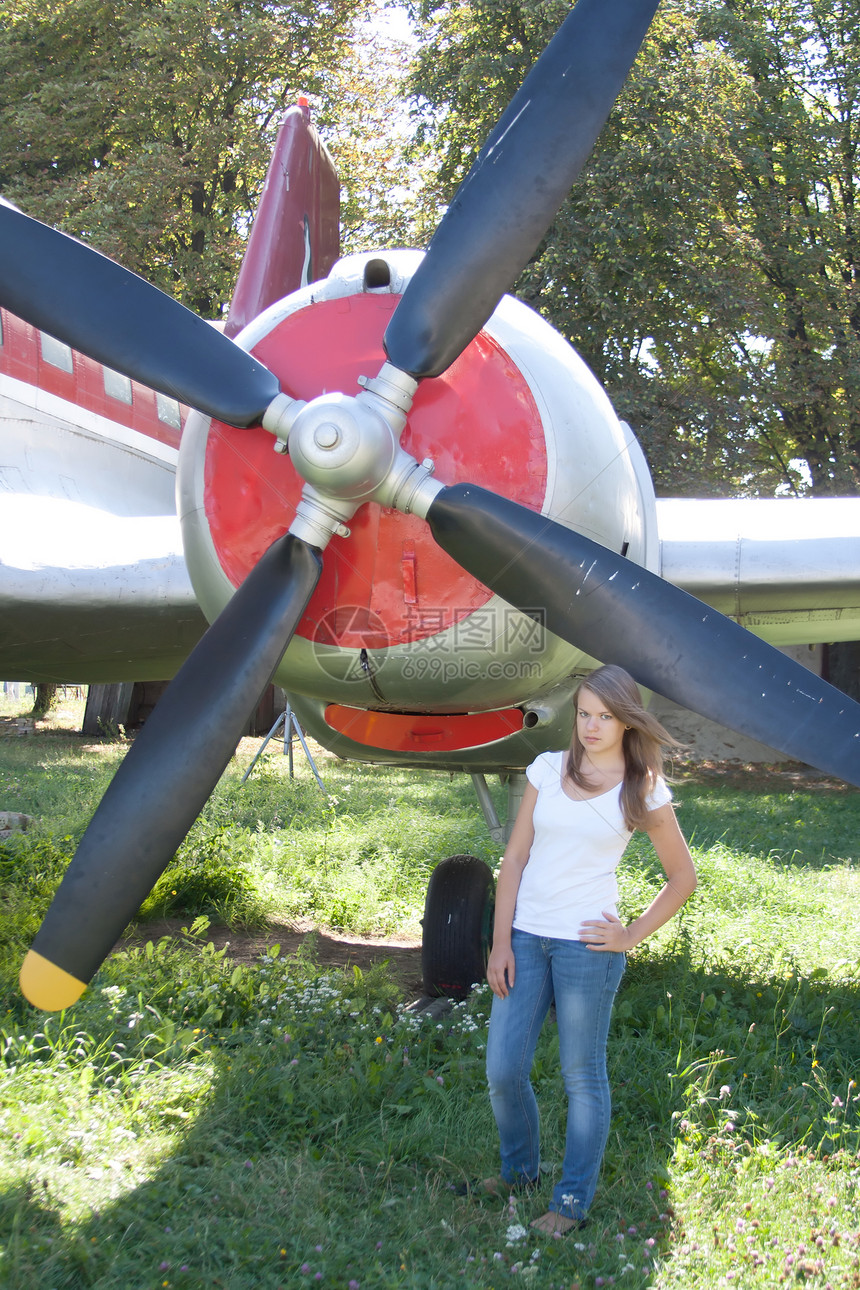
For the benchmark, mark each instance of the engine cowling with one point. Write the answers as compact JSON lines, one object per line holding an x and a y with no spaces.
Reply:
{"x":401,"y":650}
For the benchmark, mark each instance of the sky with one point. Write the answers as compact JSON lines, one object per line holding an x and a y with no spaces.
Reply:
{"x":392,"y":20}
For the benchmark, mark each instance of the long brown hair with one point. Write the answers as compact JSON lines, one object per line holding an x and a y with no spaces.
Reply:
{"x":643,"y":743}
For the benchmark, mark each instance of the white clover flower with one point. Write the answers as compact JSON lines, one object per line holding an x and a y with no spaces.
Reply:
{"x":516,"y":1232}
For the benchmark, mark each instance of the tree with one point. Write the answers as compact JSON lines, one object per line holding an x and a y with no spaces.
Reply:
{"x":45,"y":698}
{"x":705,"y":263}
{"x":145,"y":126}
{"x":384,"y":185}
{"x":796,"y":220}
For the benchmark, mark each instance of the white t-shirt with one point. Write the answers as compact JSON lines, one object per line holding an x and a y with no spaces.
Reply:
{"x":570,"y":874}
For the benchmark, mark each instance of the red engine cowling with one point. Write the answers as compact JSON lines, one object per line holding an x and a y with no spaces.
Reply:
{"x":400,"y":650}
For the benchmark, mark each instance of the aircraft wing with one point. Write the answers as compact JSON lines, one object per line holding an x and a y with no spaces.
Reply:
{"x":86,"y":596}
{"x":786,"y":568}
{"x":93,"y":583}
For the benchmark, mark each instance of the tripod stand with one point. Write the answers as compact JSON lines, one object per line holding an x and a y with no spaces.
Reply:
{"x":292,"y":729}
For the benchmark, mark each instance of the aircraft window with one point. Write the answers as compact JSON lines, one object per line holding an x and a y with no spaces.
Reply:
{"x":56,"y":353}
{"x":117,"y":385}
{"x":168,"y":411}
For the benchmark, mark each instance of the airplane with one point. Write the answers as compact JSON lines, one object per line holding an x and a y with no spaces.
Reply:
{"x":489,"y":526}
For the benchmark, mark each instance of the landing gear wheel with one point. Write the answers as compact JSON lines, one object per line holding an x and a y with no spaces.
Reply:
{"x":458,"y":922}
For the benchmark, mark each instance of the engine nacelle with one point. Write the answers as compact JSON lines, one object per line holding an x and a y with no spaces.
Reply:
{"x":400,"y":650}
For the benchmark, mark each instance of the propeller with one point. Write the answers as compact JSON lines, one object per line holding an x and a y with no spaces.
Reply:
{"x":78,"y":295}
{"x":168,"y":773}
{"x":621,"y":613}
{"x":593,"y":597}
{"x":69,"y":290}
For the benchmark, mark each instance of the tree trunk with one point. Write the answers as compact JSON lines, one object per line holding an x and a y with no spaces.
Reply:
{"x":45,"y":699}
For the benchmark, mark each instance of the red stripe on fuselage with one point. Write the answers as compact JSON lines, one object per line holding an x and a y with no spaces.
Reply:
{"x":21,"y":357}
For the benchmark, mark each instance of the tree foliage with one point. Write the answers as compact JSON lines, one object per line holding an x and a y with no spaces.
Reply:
{"x":145,"y":126}
{"x":385,"y":186}
{"x":705,"y":264}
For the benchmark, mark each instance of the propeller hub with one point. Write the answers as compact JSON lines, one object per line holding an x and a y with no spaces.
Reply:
{"x":342,"y":447}
{"x":327,"y":435}
{"x":347,"y":450}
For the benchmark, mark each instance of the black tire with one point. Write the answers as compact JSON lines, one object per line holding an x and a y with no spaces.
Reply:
{"x":458,"y":924}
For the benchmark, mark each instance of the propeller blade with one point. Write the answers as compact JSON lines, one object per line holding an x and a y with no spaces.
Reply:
{"x":169,"y":772}
{"x":520,"y":178}
{"x":618,"y":612}
{"x":79,"y":296}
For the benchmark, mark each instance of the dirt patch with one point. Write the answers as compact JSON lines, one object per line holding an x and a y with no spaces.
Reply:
{"x":330,"y":949}
{"x":757,"y":777}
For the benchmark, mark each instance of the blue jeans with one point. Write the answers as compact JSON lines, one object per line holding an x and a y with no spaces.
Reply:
{"x":583,"y":983}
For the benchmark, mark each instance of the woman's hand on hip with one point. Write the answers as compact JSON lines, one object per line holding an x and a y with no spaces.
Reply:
{"x":501,"y":970}
{"x":606,"y":933}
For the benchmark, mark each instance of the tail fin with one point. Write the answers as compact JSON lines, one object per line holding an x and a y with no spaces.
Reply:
{"x":295,"y":236}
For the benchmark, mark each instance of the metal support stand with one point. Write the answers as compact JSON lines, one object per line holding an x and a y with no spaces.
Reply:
{"x":516,"y":784}
{"x":290,"y":722}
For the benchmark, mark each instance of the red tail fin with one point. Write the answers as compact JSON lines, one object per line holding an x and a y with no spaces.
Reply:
{"x":295,"y":236}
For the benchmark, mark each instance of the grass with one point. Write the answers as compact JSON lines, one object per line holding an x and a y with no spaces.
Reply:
{"x":194,"y":1122}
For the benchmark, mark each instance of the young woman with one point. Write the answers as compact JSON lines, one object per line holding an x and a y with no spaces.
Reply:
{"x":557,"y":934}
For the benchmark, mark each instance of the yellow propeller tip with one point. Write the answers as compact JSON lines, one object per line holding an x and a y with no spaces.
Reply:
{"x":47,"y":986}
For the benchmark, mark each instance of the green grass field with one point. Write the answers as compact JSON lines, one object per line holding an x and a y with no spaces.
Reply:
{"x":194,"y":1122}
